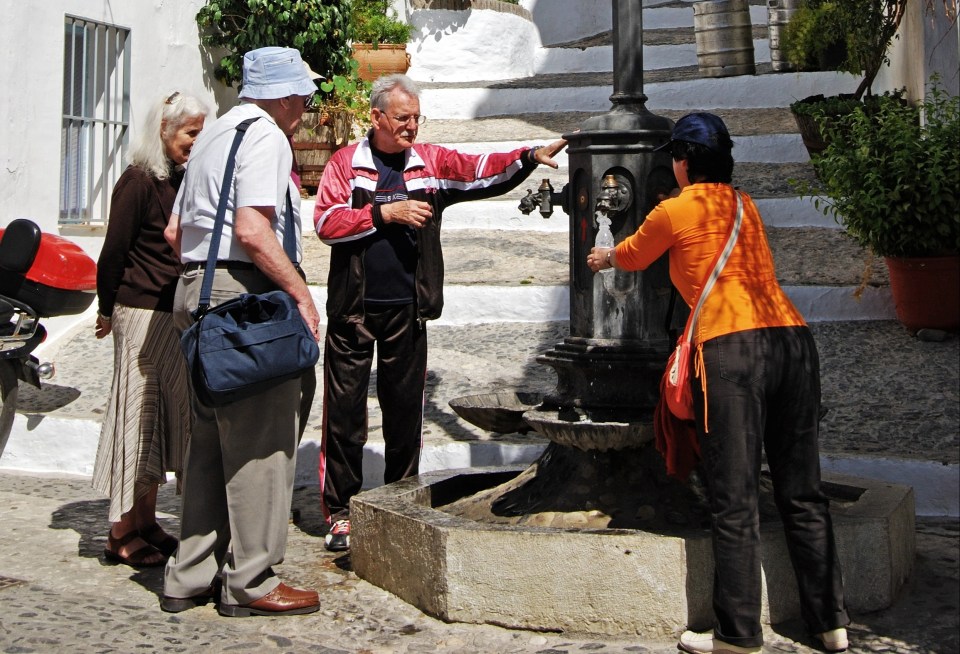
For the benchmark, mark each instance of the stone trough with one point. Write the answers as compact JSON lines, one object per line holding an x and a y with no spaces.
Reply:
{"x":617,"y":582}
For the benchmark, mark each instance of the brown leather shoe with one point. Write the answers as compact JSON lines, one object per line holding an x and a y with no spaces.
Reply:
{"x":178,"y":604}
{"x":282,"y":600}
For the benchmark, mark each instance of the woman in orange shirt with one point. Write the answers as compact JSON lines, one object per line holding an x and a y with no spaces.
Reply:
{"x":760,"y":389}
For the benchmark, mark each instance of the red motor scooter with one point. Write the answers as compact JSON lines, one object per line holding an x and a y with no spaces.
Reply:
{"x":41,"y":275}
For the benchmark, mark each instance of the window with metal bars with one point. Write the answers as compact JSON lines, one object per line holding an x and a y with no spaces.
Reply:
{"x":96,"y":116}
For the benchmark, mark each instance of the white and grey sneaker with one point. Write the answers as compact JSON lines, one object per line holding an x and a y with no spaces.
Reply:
{"x":834,"y":640}
{"x":338,"y":538}
{"x":706,"y":643}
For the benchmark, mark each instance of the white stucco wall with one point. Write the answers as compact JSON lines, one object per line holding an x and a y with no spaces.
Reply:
{"x":927,"y":42}
{"x":165,"y":56}
{"x":552,"y":18}
{"x":477,"y":44}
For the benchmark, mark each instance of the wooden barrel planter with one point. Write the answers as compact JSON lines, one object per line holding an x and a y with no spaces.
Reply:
{"x":779,"y":13}
{"x":724,"y":34}
{"x":321,"y":133}
{"x":380,"y":59}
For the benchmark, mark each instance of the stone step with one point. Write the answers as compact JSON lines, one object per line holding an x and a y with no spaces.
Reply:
{"x":505,"y":215}
{"x":760,"y":148}
{"x":525,"y":127}
{"x":668,"y":24}
{"x":680,"y":89}
{"x":804,"y":256}
{"x":665,"y":47}
{"x":670,"y":32}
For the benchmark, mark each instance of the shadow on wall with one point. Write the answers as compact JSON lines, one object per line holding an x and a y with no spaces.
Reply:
{"x":435,"y":25}
{"x":224,"y":96}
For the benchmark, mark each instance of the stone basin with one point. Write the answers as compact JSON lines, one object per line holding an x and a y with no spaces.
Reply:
{"x":584,"y":430}
{"x":497,"y":412}
{"x":618,"y":582}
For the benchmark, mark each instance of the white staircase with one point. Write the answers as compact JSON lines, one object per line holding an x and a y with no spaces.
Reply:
{"x":483,"y":112}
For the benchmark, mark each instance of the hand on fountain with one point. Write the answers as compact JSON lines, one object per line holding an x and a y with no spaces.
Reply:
{"x":598,"y":259}
{"x":407,"y":212}
{"x":545,"y":154}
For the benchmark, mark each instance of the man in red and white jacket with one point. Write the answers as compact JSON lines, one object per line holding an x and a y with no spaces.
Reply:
{"x":379,"y":207}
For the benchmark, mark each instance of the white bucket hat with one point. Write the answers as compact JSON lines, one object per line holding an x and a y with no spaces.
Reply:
{"x":272,"y":72}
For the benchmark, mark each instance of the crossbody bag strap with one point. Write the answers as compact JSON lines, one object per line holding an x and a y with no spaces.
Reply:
{"x":289,"y":236}
{"x":207,"y":287}
{"x":719,"y":262}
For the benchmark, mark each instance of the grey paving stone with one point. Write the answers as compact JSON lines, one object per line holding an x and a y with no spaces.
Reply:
{"x":70,"y":601}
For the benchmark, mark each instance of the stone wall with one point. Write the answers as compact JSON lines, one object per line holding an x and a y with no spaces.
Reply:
{"x":464,"y":5}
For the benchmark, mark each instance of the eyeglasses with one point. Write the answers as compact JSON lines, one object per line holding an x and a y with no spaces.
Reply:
{"x":172,"y":98}
{"x":417,"y":118}
{"x":310,"y":102}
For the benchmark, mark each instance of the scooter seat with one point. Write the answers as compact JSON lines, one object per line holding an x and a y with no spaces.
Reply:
{"x":19,"y":246}
{"x":18,"y":250}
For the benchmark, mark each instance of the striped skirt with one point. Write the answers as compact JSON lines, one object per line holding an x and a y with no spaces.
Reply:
{"x":147,"y":422}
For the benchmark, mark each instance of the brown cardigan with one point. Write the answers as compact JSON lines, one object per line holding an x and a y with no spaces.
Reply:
{"x":137,"y":267}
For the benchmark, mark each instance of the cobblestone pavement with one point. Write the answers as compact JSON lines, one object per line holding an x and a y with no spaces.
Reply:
{"x":60,"y":596}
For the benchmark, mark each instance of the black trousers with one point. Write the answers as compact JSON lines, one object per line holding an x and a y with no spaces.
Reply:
{"x":401,"y":347}
{"x":763,"y":390}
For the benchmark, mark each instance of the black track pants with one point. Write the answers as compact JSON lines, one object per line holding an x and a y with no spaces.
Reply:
{"x":401,"y":347}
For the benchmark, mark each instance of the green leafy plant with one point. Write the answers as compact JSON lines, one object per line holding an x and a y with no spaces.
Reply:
{"x":814,"y":39}
{"x":891,"y":174}
{"x":319,"y":29}
{"x":816,"y":110}
{"x":371,"y":22}
{"x":347,"y":94}
{"x":856,"y":32}
{"x":859,"y":31}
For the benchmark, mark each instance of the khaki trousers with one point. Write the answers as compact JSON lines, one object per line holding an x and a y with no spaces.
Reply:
{"x":238,"y":478}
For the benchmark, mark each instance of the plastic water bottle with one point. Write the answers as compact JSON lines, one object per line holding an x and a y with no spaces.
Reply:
{"x":604,"y":236}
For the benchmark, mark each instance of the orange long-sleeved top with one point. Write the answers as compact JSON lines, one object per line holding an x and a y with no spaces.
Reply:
{"x":693,"y":227}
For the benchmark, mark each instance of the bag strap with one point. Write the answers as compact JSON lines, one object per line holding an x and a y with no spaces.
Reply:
{"x":718,"y":263}
{"x":289,"y":238}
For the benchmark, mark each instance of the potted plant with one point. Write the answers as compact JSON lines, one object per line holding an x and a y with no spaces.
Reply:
{"x":379,"y":39}
{"x":342,"y":114}
{"x":847,"y":35}
{"x":890,"y":174}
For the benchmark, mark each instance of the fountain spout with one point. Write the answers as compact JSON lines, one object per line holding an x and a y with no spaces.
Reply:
{"x":543,"y":200}
{"x":615,"y":195}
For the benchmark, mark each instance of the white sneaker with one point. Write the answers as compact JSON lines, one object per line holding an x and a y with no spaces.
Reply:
{"x":705,"y":643}
{"x":338,"y":538}
{"x":834,"y":640}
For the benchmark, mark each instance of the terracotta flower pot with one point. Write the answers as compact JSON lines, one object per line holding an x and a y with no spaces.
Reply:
{"x":926,"y":291}
{"x":384,"y":59}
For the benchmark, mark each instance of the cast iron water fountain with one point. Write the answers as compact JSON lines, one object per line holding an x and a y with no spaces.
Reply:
{"x":594,"y":537}
{"x":599,"y":418}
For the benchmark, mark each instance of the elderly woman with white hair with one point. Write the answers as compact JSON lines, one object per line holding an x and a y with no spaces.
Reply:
{"x":147,"y":422}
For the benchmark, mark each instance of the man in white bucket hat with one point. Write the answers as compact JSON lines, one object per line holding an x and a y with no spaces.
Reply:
{"x":238,"y":479}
